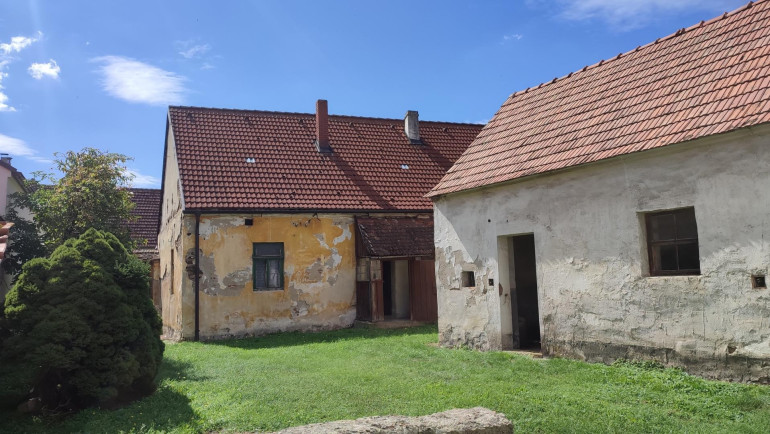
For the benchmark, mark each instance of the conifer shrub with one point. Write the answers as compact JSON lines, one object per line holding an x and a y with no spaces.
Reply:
{"x":81,"y":329}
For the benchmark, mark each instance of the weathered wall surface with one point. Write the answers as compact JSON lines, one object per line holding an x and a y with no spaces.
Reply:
{"x":597,"y":300}
{"x":319,"y":274}
{"x":170,"y":250}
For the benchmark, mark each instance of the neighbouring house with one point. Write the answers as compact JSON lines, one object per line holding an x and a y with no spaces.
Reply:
{"x":11,"y":181}
{"x":622,"y":211}
{"x":144,"y":233}
{"x":292,"y":221}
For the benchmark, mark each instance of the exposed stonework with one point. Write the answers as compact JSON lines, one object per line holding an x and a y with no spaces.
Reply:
{"x":476,"y":420}
{"x":596,"y":299}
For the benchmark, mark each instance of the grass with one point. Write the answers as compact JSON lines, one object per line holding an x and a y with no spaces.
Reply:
{"x":291,"y":379}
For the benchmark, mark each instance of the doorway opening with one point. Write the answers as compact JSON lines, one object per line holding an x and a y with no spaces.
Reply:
{"x":524,"y":302}
{"x":396,"y":289}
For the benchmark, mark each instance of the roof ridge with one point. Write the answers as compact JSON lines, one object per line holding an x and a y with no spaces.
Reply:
{"x":331,"y":116}
{"x":679,"y":32}
{"x":142,"y":189}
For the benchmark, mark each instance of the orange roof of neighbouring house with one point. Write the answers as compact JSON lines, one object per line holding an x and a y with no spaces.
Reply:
{"x":708,"y":79}
{"x":241,"y":160}
{"x":147,"y":213}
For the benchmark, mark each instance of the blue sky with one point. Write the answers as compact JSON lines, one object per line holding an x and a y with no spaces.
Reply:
{"x":102,"y":73}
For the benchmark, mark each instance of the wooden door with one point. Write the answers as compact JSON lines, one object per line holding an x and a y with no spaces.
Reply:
{"x":422,"y":291}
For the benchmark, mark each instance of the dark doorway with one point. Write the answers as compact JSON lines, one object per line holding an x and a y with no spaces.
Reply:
{"x":387,"y":287}
{"x":526,"y":314}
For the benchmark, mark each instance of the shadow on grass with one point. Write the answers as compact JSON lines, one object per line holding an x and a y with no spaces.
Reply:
{"x":291,"y":339}
{"x":165,"y":410}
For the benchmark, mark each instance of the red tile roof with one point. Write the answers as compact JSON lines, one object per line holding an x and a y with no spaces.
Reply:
{"x":145,"y":227}
{"x":396,"y":237}
{"x":257,"y":160}
{"x":708,"y":79}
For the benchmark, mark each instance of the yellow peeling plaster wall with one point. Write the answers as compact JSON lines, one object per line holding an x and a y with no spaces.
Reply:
{"x":170,"y":247}
{"x":319,"y":274}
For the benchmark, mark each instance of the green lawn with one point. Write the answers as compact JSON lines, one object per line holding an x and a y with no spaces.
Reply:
{"x":291,"y":379}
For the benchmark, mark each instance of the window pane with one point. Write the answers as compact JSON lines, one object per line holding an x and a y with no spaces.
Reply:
{"x":685,"y":224}
{"x":273,"y":273}
{"x":662,"y":227}
{"x":268,"y":249}
{"x":688,"y":257}
{"x":260,"y":278}
{"x":667,"y":257}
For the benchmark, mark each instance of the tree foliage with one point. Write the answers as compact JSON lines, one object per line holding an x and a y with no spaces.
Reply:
{"x":26,"y":241}
{"x":82,"y":329}
{"x":89,"y":194}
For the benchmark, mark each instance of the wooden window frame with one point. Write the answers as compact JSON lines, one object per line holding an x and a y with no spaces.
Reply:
{"x":654,"y":267}
{"x":255,"y":257}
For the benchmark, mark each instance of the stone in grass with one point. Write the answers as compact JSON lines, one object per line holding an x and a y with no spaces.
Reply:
{"x":478,"y":420}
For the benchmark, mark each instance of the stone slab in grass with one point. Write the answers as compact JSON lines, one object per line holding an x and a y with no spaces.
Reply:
{"x":478,"y":420}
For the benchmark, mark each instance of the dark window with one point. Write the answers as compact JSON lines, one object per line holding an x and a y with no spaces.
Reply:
{"x":268,"y":266}
{"x":672,"y":242}
{"x":468,"y":279}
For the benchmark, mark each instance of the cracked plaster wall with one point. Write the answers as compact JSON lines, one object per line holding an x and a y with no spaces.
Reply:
{"x":596,"y":299}
{"x":170,"y":245}
{"x":319,"y":274}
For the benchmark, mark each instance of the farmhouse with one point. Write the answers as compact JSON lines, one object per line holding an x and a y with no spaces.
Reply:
{"x":144,"y":233}
{"x":291,"y":221}
{"x":622,"y":211}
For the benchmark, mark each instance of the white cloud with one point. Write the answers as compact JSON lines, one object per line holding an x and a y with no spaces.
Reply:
{"x":134,"y":81}
{"x":40,"y":70}
{"x":195,"y":51}
{"x":18,"y":43}
{"x":140,"y":180}
{"x":19,"y":148}
{"x":512,"y":37}
{"x":4,"y":107}
{"x":15,"y":147}
{"x":630,"y":14}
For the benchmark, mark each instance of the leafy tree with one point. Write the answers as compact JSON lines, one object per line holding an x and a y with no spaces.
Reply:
{"x":90,"y":194}
{"x":26,"y":242}
{"x":82,"y":330}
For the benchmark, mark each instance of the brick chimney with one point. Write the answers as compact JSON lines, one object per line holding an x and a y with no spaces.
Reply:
{"x":412,"y":127}
{"x":322,"y":126}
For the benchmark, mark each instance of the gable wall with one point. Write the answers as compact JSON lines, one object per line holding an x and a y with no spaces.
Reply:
{"x":177,"y":317}
{"x":596,"y":299}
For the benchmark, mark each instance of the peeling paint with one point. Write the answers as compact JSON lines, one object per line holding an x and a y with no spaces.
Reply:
{"x":319,"y":279}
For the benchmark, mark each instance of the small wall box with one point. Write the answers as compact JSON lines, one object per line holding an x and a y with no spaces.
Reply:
{"x":758,"y":281}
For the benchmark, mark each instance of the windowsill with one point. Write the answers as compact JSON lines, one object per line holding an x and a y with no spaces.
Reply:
{"x":674,"y":275}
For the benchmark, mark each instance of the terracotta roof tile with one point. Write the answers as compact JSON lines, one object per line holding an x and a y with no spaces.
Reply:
{"x":257,"y":160}
{"x":396,"y":236}
{"x":711,"y":78}
{"x":147,"y":211}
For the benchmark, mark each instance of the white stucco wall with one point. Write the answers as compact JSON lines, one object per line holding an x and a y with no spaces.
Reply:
{"x":596,"y":299}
